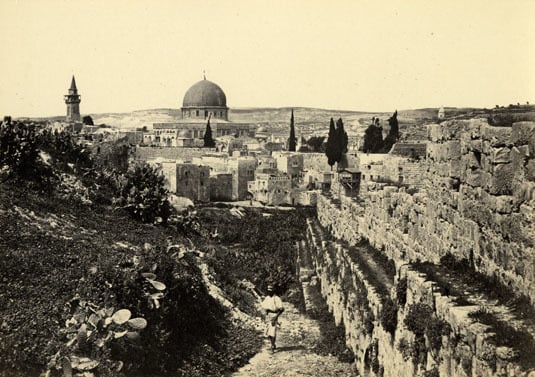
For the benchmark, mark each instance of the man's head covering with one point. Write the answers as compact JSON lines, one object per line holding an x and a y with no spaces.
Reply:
{"x":270,"y":287}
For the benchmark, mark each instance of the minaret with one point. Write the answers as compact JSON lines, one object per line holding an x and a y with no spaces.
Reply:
{"x":72,"y":100}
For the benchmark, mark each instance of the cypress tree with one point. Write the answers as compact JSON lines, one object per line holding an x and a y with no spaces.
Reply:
{"x":341,"y":140}
{"x":373,"y":138}
{"x":208,"y":141}
{"x":393,"y":133}
{"x":332,"y":147}
{"x":292,"y":141}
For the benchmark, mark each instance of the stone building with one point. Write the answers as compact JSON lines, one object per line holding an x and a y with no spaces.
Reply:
{"x":243,"y":171}
{"x":290,"y":163}
{"x":133,"y":137}
{"x":188,"y":180}
{"x":266,"y":164}
{"x":318,"y":180}
{"x":441,"y":113}
{"x":271,"y":189}
{"x":203,"y":100}
{"x":72,"y":100}
{"x":217,"y":161}
{"x":346,"y":182}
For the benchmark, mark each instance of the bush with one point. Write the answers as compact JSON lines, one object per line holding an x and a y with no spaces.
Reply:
{"x":143,"y":194}
{"x":401,"y":291}
{"x":20,"y":153}
{"x":422,"y":321}
{"x":389,"y":316}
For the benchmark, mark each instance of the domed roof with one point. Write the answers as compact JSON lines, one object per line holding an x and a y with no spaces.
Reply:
{"x":261,"y":130}
{"x":205,"y":93}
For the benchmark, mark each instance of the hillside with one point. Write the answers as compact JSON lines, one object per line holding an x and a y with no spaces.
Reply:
{"x":308,"y":121}
{"x":314,"y":121}
{"x":92,"y":285}
{"x":63,"y":260}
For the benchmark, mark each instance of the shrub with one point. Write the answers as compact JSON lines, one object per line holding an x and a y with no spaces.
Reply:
{"x":142,"y":193}
{"x":401,"y":291}
{"x":422,"y":321}
{"x":20,"y":153}
{"x":389,"y":316}
{"x":66,"y":153}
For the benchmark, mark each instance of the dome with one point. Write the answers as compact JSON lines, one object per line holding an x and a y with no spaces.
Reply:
{"x":261,"y":130}
{"x":205,"y":94}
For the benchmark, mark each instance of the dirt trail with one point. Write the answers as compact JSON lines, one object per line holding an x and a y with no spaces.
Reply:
{"x":294,"y":357}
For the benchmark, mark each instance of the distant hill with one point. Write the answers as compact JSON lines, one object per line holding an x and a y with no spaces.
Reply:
{"x":314,"y":121}
{"x":308,"y":121}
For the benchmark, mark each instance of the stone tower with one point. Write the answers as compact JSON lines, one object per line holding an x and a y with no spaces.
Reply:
{"x":72,"y":100}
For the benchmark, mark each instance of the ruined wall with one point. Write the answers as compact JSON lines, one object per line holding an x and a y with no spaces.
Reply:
{"x":476,"y":203}
{"x":375,"y":307}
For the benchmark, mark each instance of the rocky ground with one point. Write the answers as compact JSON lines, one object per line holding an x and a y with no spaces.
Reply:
{"x":295,"y":355}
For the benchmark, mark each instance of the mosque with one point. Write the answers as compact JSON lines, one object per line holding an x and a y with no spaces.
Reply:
{"x":202,"y":101}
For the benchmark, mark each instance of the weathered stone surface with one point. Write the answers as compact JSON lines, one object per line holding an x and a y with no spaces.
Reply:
{"x":530,"y":170}
{"x":502,"y":180}
{"x":434,"y":133}
{"x":500,"y":155}
{"x":504,"y":204}
{"x":524,"y":134}
{"x":497,"y":136}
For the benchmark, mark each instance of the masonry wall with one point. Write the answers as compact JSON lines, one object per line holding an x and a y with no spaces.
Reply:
{"x":360,"y":301}
{"x":169,"y":153}
{"x":476,"y":203}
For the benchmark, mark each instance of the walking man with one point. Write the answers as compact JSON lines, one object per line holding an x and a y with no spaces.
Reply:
{"x":272,"y":304}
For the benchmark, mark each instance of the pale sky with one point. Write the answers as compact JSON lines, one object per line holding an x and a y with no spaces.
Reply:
{"x":337,"y":54}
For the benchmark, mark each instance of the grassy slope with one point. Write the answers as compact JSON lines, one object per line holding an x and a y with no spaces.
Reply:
{"x":49,"y":246}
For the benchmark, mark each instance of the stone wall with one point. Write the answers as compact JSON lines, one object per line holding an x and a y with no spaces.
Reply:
{"x":169,"y":153}
{"x":476,"y":203}
{"x":360,"y":294}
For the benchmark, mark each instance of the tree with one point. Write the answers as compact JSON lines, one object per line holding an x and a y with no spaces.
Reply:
{"x":393,"y":133}
{"x":341,"y":141}
{"x":87,"y":120}
{"x":373,"y":137}
{"x":292,"y":140}
{"x":332,"y":149}
{"x":208,"y":141}
{"x":315,"y":143}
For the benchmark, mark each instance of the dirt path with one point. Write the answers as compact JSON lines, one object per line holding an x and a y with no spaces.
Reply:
{"x":294,"y":357}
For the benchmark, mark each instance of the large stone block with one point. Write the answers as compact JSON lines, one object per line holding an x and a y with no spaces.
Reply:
{"x":477,"y":178}
{"x":500,"y":155}
{"x":454,"y":149}
{"x":524,"y":133}
{"x":497,"y":136}
{"x":519,"y":162}
{"x":530,"y":170}
{"x":525,"y":191}
{"x":501,"y":182}
{"x":452,"y":129}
